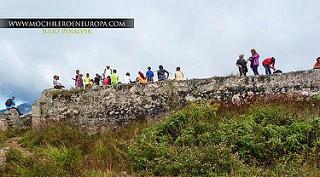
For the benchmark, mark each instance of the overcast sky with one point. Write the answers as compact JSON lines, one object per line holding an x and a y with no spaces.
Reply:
{"x":204,"y":37}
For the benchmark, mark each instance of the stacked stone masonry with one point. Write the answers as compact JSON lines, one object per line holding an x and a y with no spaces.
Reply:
{"x":109,"y":106}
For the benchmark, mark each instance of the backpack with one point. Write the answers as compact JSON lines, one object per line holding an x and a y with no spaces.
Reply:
{"x":277,"y":72}
{"x":9,"y":102}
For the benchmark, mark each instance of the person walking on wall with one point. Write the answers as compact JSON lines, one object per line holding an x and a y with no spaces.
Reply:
{"x":11,"y":104}
{"x":179,"y":74}
{"x":268,"y":64}
{"x":242,"y":65}
{"x":162,"y":74}
{"x":254,"y":62}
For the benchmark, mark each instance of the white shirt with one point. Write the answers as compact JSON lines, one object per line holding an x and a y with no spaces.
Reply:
{"x":179,"y":76}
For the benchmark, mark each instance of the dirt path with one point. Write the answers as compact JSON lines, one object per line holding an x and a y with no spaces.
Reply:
{"x":13,"y":144}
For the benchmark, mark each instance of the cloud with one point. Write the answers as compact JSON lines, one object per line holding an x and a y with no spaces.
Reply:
{"x":203,"y":37}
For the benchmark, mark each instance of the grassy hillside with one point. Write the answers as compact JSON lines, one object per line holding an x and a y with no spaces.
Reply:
{"x":281,"y":138}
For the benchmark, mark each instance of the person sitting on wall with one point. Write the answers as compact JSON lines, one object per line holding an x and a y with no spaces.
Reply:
{"x":97,"y":79}
{"x":114,"y":77}
{"x":56,"y":83}
{"x":268,"y":64}
{"x":242,"y":65}
{"x":86,"y":81}
{"x":149,"y":74}
{"x":107,"y":80}
{"x":128,"y":78}
{"x":11,"y":104}
{"x":317,"y":64}
{"x":141,"y":79}
{"x":179,"y":74}
{"x":91,"y":83}
{"x":162,"y":74}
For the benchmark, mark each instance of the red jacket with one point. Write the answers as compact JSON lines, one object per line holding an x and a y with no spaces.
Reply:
{"x":267,"y":61}
{"x":317,"y":65}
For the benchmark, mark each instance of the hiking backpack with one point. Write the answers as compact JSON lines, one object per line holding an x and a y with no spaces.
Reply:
{"x":9,"y":102}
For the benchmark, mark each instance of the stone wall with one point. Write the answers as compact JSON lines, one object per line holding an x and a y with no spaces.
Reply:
{"x":11,"y":119}
{"x":115,"y":105}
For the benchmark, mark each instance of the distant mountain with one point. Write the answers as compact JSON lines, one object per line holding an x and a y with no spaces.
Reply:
{"x":24,"y":108}
{"x":2,"y":111}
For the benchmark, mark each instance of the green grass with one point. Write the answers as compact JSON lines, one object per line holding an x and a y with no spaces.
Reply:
{"x":278,"y":138}
{"x":64,"y":150}
{"x":2,"y":138}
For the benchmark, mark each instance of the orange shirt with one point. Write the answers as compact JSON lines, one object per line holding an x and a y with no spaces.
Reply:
{"x":141,"y":80}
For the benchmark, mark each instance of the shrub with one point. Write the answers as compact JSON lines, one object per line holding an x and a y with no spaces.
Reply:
{"x":182,"y":145}
{"x":196,"y":141}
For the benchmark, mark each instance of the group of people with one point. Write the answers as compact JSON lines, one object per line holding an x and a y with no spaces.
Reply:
{"x":267,"y":63}
{"x":111,"y":77}
{"x":149,"y":76}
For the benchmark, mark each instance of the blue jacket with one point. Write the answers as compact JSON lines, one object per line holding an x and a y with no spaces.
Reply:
{"x":149,"y":74}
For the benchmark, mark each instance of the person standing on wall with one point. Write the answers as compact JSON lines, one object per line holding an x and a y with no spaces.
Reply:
{"x":107,"y":72}
{"x":76,"y":79}
{"x":80,"y":81}
{"x":242,"y":65}
{"x":268,"y":64}
{"x":179,"y":74}
{"x":254,"y":62}
{"x":162,"y":74}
